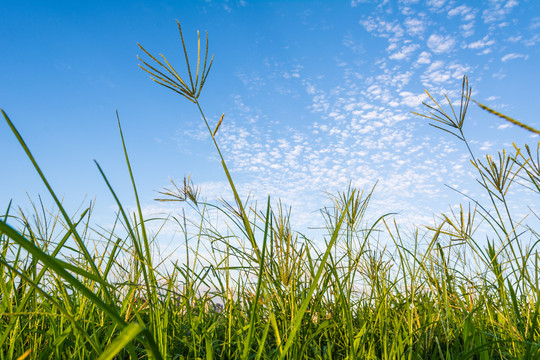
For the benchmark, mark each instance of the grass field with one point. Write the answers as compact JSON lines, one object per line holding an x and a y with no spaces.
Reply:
{"x":260,"y":290}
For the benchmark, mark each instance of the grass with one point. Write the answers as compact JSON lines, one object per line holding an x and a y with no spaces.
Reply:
{"x":70,"y":289}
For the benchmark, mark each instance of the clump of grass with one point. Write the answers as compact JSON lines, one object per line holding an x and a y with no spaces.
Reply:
{"x":69,"y":289}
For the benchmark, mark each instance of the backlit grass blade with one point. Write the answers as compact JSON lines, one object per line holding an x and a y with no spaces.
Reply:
{"x":148,"y":257}
{"x":443,"y":294}
{"x":58,"y":306}
{"x":54,"y":265}
{"x":136,"y":244}
{"x":57,"y":267}
{"x":262,"y":341}
{"x":24,"y":301}
{"x":254,"y":308}
{"x":67,"y":219}
{"x":315,"y":283}
{"x":126,"y":336}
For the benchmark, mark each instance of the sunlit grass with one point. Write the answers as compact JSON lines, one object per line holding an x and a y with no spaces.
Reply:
{"x":261,"y":290}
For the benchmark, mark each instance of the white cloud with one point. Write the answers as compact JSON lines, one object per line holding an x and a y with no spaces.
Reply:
{"x":499,"y":75}
{"x":436,"y":4}
{"x":412,"y":100}
{"x":486,"y":145}
{"x":532,"y":41}
{"x":466,"y":12}
{"x":404,"y":52}
{"x":439,"y":73}
{"x":415,"y":27}
{"x":382,"y":28}
{"x":436,"y":65}
{"x":439,"y":76}
{"x":510,"y":4}
{"x":440,"y":44}
{"x":498,"y":10}
{"x":392,"y":46}
{"x":424,"y":58}
{"x":354,"y":3}
{"x":467,"y":29}
{"x":349,"y":42}
{"x":196,"y":133}
{"x":458,"y":70}
{"x":513,"y":56}
{"x":479,"y":44}
{"x":362,"y":130}
{"x":535,"y":23}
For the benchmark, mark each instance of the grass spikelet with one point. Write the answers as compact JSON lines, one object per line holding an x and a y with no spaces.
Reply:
{"x":218,"y":125}
{"x":507,"y":118}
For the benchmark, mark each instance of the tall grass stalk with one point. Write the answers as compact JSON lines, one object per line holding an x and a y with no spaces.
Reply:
{"x":259,"y":289}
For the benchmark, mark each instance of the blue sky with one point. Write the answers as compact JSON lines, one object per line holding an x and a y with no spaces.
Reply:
{"x":316,"y":95}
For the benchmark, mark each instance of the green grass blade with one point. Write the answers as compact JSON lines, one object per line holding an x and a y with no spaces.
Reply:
{"x":247,"y":343}
{"x":55,"y":304}
{"x":132,"y":235}
{"x":57,"y":267}
{"x":297,"y":321}
{"x":147,"y":252}
{"x":67,"y":219}
{"x":54,"y":265}
{"x":126,"y":336}
{"x":22,"y":304}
